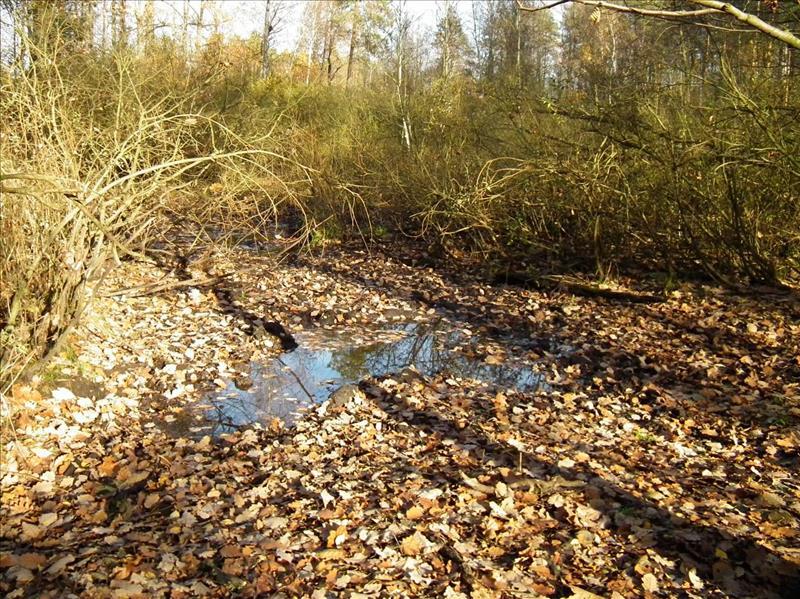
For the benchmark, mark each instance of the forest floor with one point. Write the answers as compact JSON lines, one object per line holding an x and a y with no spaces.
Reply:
{"x":658,"y":456}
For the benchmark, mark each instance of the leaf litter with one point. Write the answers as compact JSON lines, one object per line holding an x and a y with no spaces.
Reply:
{"x":658,"y":459}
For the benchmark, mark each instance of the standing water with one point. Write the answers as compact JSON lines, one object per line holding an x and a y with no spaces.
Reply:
{"x":325,"y":360}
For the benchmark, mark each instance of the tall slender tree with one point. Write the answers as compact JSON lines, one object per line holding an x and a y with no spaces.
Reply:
{"x":273,"y":19}
{"x":450,"y":40}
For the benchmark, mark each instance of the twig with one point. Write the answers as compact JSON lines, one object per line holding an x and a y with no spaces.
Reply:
{"x":297,"y":378}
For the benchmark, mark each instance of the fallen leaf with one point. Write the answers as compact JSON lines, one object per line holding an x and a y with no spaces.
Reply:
{"x":231,"y":551}
{"x":48,"y":519}
{"x":696,"y":581}
{"x":337,"y":537}
{"x":414,"y":544}
{"x":30,"y":531}
{"x":58,"y":566}
{"x":650,"y":583}
{"x":124,"y":589}
{"x":62,"y":394}
{"x":20,"y":574}
{"x":326,"y":497}
{"x":107,"y":467}
{"x":579,"y":593}
{"x":415,"y":513}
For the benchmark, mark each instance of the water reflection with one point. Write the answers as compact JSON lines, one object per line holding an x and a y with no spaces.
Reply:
{"x":326,"y":360}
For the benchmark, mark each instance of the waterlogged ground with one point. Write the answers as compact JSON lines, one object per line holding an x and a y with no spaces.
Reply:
{"x":484,"y":441}
{"x":330,"y":359}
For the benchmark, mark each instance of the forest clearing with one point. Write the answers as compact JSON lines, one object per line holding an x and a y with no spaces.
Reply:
{"x":495,"y":300}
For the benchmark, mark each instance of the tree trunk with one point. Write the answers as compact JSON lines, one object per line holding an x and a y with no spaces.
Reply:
{"x":518,"y":65}
{"x":198,"y":26}
{"x":265,"y":41}
{"x":123,"y":23}
{"x":311,"y":42}
{"x":103,"y":24}
{"x":185,"y":26}
{"x":352,"y":50}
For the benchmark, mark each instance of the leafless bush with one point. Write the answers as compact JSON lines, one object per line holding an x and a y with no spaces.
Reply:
{"x":92,"y":168}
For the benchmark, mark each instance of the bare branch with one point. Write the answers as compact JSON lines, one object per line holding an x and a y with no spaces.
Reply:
{"x":645,"y":12}
{"x":787,"y":37}
{"x":711,"y":7}
{"x":538,"y":8}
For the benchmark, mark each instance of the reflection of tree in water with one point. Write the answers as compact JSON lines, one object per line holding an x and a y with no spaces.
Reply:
{"x":276,"y":392}
{"x":352,"y":362}
{"x":308,"y":375}
{"x":430,"y":349}
{"x":416,"y":347}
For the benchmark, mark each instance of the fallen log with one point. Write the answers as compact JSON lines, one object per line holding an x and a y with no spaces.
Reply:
{"x":589,"y":290}
{"x":572,"y":285}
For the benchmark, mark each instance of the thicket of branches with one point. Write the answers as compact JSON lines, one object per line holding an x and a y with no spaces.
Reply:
{"x":591,"y":137}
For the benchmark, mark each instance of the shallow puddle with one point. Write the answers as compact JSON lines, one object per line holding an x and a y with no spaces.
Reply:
{"x":328,"y":359}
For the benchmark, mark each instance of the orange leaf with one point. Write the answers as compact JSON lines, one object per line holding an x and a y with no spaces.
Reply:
{"x":107,"y":467}
{"x":337,"y":537}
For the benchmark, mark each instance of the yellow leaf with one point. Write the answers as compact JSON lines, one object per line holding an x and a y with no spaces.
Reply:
{"x":326,"y":554}
{"x":696,"y":581}
{"x":643,"y":566}
{"x":496,"y":551}
{"x":330,"y":579}
{"x":650,"y":583}
{"x":413,"y":544}
{"x":415,"y":513}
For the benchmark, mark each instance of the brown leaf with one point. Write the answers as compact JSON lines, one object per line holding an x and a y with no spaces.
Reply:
{"x":230,"y":551}
{"x":48,"y":519}
{"x":124,"y":589}
{"x":30,"y":531}
{"x":58,"y":566}
{"x":30,"y":561}
{"x":579,"y":593}
{"x":20,"y":574}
